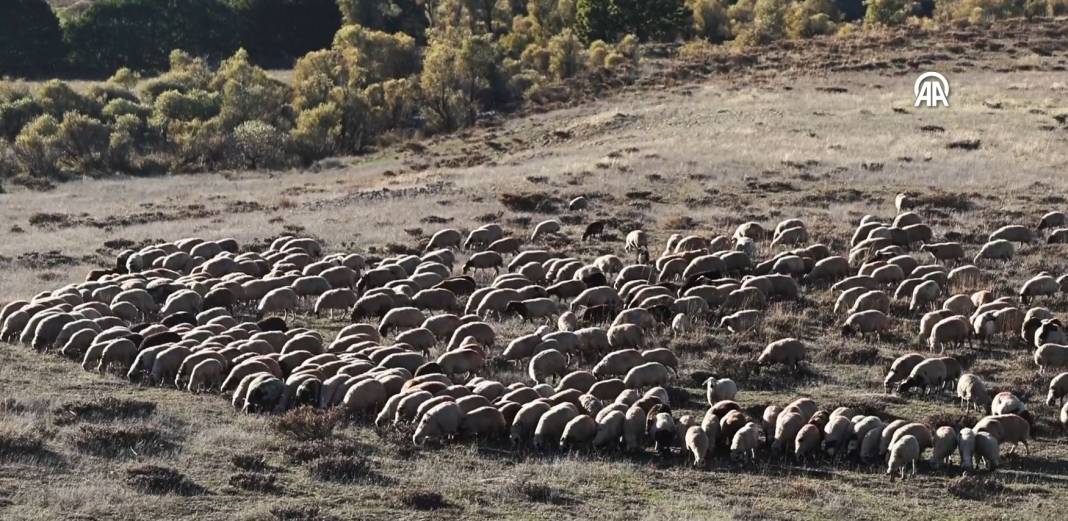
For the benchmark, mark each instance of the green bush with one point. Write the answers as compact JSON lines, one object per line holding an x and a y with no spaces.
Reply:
{"x":890,"y":12}
{"x":36,"y":147}
{"x":657,"y":20}
{"x":17,"y":113}
{"x":318,"y":132}
{"x":410,"y":17}
{"x":459,"y":73}
{"x":31,"y":43}
{"x":57,"y":98}
{"x":769,"y":23}
{"x":140,"y":34}
{"x":196,"y":105}
{"x":380,"y":56}
{"x":247,"y":94}
{"x":83,"y":143}
{"x":259,"y":145}
{"x":565,"y":55}
{"x":710,"y":20}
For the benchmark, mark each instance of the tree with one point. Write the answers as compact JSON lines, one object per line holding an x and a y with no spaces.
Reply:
{"x":31,"y":43}
{"x":140,"y":34}
{"x":277,"y":32}
{"x":458,"y":73}
{"x":411,"y":17}
{"x":657,"y":20}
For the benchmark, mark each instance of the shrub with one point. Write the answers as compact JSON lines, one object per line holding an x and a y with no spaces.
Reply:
{"x":153,"y":479}
{"x":343,"y":469}
{"x":121,"y":107}
{"x":260,"y":145}
{"x":318,"y":131}
{"x":769,"y":23}
{"x":177,"y":106}
{"x":379,"y":55}
{"x":565,"y":55}
{"x":125,"y":77}
{"x":393,"y":16}
{"x":887,"y":12}
{"x":457,"y":72}
{"x":247,"y":94}
{"x":810,"y":18}
{"x":36,"y":148}
{"x":141,"y":33}
{"x":16,"y":114}
{"x":83,"y":141}
{"x":392,"y":103}
{"x":306,"y":423}
{"x":710,"y":20}
{"x":114,"y":441}
{"x":31,"y":43}
{"x":57,"y":98}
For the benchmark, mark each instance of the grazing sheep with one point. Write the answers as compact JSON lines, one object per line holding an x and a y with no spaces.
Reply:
{"x":545,"y":228}
{"x":944,"y":444}
{"x":929,"y":375}
{"x":206,"y":375}
{"x":995,"y":250}
{"x":484,"y":260}
{"x":447,"y":238}
{"x":867,"y":322}
{"x":1051,"y":356}
{"x":580,"y":431}
{"x":551,"y":424}
{"x":636,"y":240}
{"x":807,"y":441}
{"x":634,"y":428}
{"x":1058,"y":389}
{"x":966,"y":447}
{"x":973,"y":392}
{"x":742,"y":321}
{"x":745,"y":441}
{"x":1007,"y":403}
{"x":944,"y":251}
{"x":987,"y":449}
{"x":953,"y":330}
{"x":649,"y":374}
{"x":787,"y":426}
{"x":438,"y":423}
{"x":545,"y":364}
{"x":905,"y":451}
{"x":924,"y":294}
{"x":877,"y":300}
{"x":484,"y":423}
{"x":1012,"y":233}
{"x":1041,"y":285}
{"x":1006,"y":428}
{"x":626,"y":336}
{"x":787,"y":351}
{"x":697,"y":443}
{"x":279,"y":300}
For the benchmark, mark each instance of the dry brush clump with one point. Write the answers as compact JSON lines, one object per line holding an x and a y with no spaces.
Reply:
{"x":119,"y":441}
{"x":307,"y":424}
{"x":158,"y":480}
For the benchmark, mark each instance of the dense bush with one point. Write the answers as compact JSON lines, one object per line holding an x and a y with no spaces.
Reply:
{"x":31,"y":43}
{"x":141,"y":33}
{"x":647,"y":19}
{"x":410,"y":17}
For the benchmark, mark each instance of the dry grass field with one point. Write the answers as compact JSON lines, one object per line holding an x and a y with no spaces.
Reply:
{"x":826,"y":133}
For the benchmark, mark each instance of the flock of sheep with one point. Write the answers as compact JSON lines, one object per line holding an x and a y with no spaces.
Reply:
{"x":423,"y":338}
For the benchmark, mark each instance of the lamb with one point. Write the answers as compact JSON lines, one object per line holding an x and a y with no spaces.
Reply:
{"x":973,"y":392}
{"x":745,"y":442}
{"x":995,"y":250}
{"x":1058,"y":389}
{"x":987,"y":449}
{"x":929,"y":374}
{"x":1051,"y":356}
{"x":649,"y":374}
{"x":551,"y":424}
{"x":787,"y":351}
{"x":439,"y":423}
{"x":1006,"y":428}
{"x":966,"y":447}
{"x":545,"y":364}
{"x":944,"y":251}
{"x":697,"y":443}
{"x":660,"y":427}
{"x":905,"y":451}
{"x":867,"y":322}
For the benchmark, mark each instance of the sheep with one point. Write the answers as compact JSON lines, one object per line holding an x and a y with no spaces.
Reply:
{"x":866,"y":322}
{"x":526,"y":420}
{"x":741,"y":321}
{"x":645,"y":375}
{"x":787,"y":426}
{"x":787,"y":351}
{"x":717,"y":390}
{"x":929,"y":374}
{"x":1007,"y":403}
{"x":636,"y":240}
{"x":484,"y":260}
{"x":987,"y":449}
{"x":999,"y":249}
{"x":661,"y":428}
{"x":973,"y":392}
{"x":438,"y":423}
{"x":900,"y":369}
{"x":953,"y":330}
{"x":1006,"y":428}
{"x":402,"y":317}
{"x":545,"y":228}
{"x":905,"y":451}
{"x":1064,"y":417}
{"x":334,"y":299}
{"x":790,"y":236}
{"x":634,"y":428}
{"x":283,"y":300}
{"x":545,"y":364}
{"x":944,"y":444}
{"x":876,"y":300}
{"x":1012,"y":233}
{"x":1058,"y":389}
{"x":485,"y":422}
{"x":836,"y":435}
{"x":1058,"y":236}
{"x":1051,"y":356}
{"x":447,"y":238}
{"x":745,"y":441}
{"x":924,"y":294}
{"x":580,"y":430}
{"x":1038,"y":286}
{"x":944,"y":251}
{"x":966,"y":447}
{"x":551,"y":424}
{"x":483,"y":235}
{"x":697,"y":443}
{"x":626,"y":336}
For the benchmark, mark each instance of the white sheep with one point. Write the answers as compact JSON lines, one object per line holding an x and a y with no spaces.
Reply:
{"x":903,"y":453}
